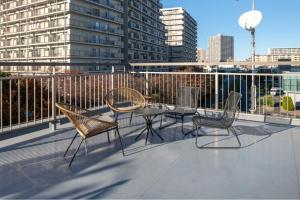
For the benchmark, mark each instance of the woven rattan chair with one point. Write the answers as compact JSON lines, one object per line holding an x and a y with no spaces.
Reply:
{"x":222,"y":120}
{"x":186,"y":105}
{"x":87,"y":126}
{"x":125,"y":100}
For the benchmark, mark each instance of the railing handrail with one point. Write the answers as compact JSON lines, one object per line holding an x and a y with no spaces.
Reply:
{"x":219,"y":73}
{"x":235,"y":63}
{"x":21,"y":77}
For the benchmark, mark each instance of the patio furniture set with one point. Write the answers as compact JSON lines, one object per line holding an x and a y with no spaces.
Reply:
{"x":126,"y":100}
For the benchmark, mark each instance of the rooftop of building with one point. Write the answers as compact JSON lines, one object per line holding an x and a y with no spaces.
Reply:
{"x":267,"y":166}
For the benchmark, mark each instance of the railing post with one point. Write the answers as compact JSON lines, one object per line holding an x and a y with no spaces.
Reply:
{"x":216,"y":90}
{"x":147,"y":82}
{"x":112,"y":76}
{"x":53,"y":101}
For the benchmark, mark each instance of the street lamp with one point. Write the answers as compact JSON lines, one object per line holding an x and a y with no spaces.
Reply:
{"x":249,"y":21}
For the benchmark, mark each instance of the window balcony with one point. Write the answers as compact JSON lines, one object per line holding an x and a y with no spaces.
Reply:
{"x":31,"y":156}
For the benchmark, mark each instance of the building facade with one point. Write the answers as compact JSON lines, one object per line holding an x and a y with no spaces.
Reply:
{"x":220,"y":48}
{"x":277,"y":54}
{"x":146,"y":32}
{"x":79,"y":31}
{"x":181,"y":34}
{"x":292,"y":54}
{"x":201,"y":55}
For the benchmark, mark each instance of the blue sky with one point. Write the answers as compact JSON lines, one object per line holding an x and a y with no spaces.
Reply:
{"x":280,"y":26}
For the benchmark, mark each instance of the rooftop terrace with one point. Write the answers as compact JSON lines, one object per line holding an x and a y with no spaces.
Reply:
{"x":267,"y":166}
{"x":31,"y":154}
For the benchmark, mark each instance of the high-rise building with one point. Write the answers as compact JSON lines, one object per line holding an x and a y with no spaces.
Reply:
{"x":201,"y":55}
{"x":146,"y":32}
{"x":61,"y":31}
{"x":181,"y":34}
{"x":80,"y":31}
{"x":220,"y":48}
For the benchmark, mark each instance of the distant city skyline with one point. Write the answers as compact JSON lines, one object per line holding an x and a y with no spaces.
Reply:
{"x":279,"y":27}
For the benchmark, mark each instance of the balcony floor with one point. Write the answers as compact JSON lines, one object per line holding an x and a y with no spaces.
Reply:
{"x":268,"y":166}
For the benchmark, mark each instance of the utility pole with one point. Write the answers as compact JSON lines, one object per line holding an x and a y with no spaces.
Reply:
{"x":253,"y":88}
{"x":249,"y":21}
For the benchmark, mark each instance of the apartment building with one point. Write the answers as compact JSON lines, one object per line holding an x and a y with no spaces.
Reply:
{"x":220,"y":48}
{"x":201,"y":55}
{"x":181,"y":34}
{"x":146,"y":33}
{"x":292,"y":54}
{"x":79,"y":31}
{"x":277,"y":54}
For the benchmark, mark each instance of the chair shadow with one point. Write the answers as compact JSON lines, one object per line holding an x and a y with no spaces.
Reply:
{"x":265,"y":131}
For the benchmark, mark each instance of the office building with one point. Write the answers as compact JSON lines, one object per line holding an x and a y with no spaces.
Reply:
{"x":201,"y":55}
{"x":79,"y":31}
{"x":181,"y":34}
{"x":220,"y":48}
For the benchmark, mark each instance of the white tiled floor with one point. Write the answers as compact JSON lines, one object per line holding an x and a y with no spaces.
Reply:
{"x":34,"y":168}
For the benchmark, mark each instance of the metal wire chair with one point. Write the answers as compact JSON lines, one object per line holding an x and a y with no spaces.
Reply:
{"x":186,"y":105}
{"x":221,"y":121}
{"x":125,"y":100}
{"x":87,"y":126}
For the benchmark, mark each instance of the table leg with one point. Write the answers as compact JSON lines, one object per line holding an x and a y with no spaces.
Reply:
{"x":147,"y":135}
{"x":156,"y":133}
{"x":139,"y":135}
{"x":149,"y":128}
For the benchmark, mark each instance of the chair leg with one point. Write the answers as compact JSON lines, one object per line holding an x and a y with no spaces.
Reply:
{"x":161,"y":119}
{"x":117,"y":130}
{"x":167,"y":125}
{"x":116,"y":119}
{"x":197,"y":134}
{"x":236,"y":135}
{"x":85,"y":147}
{"x":70,"y":144}
{"x":205,"y":146}
{"x":108,"y":139}
{"x":75,"y":153}
{"x":182,"y":131}
{"x":131,"y":118}
{"x":116,"y":116}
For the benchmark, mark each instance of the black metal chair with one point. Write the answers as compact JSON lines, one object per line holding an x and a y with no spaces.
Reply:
{"x":222,"y":121}
{"x":186,"y":105}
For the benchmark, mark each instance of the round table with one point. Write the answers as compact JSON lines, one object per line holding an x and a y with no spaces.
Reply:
{"x":149,"y":114}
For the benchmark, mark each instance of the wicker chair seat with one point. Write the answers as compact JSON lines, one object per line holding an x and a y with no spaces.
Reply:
{"x":91,"y":126}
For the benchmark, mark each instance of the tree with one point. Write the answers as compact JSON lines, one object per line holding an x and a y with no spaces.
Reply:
{"x":287,"y":103}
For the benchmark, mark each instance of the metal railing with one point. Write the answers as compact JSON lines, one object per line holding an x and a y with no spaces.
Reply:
{"x":29,"y":100}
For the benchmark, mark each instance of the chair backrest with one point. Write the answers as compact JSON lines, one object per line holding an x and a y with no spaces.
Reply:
{"x":124,"y":97}
{"x":73,"y":113}
{"x":188,"y":97}
{"x":231,"y":106}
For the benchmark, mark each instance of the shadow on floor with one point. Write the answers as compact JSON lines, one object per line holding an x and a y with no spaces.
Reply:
{"x":264,"y":131}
